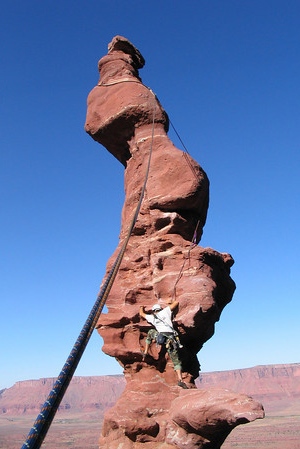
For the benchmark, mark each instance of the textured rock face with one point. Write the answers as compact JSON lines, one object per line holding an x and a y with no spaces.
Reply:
{"x":205,"y":418}
{"x":163,"y":416}
{"x":162,"y":262}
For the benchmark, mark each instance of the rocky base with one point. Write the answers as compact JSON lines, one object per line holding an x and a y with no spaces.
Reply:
{"x":174,"y":418}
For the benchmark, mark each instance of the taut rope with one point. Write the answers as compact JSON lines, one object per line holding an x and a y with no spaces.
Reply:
{"x":43,"y":421}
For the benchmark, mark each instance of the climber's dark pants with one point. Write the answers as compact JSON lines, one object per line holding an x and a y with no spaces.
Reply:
{"x":170,"y":345}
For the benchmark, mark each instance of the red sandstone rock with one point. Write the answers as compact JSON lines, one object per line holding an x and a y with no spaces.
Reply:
{"x":162,"y":262}
{"x":182,"y":418}
{"x":205,"y":418}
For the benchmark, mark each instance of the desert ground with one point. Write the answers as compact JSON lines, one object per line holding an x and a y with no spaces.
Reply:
{"x":78,"y":431}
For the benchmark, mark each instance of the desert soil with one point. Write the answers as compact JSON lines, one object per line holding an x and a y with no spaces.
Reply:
{"x":82,"y":431}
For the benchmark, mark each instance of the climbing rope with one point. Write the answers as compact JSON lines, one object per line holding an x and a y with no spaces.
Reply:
{"x":194,"y":238}
{"x":43,"y":421}
{"x":186,"y":152}
{"x":192,"y":245}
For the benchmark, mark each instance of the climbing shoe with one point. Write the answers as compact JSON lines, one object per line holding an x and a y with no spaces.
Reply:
{"x":182,"y":385}
{"x":143,"y":355}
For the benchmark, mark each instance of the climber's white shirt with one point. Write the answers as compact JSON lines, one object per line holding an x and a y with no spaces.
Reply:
{"x":163,"y":320}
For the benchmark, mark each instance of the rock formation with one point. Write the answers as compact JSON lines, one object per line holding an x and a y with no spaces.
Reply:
{"x":162,"y":263}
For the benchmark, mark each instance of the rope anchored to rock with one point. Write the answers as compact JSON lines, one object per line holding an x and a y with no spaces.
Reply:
{"x":43,"y":421}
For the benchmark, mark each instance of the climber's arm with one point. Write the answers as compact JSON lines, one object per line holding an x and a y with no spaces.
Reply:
{"x":142,"y":312}
{"x":173,"y":305}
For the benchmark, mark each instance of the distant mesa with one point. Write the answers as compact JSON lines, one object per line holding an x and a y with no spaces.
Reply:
{"x":272,"y":384}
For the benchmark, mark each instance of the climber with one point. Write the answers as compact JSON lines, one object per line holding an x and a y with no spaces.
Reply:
{"x":164,"y":333}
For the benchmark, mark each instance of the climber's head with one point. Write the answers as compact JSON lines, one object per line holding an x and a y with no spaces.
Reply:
{"x":156,"y":308}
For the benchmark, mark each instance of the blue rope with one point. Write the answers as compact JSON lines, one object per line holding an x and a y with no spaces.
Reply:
{"x":44,"y":419}
{"x":48,"y":410}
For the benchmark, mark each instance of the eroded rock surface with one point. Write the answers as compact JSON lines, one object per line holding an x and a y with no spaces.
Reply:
{"x":162,"y":262}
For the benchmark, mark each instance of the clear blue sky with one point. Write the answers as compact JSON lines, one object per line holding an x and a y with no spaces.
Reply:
{"x":227,"y":73}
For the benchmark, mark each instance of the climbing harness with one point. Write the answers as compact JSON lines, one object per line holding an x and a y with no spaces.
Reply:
{"x":43,"y":421}
{"x":167,"y":337}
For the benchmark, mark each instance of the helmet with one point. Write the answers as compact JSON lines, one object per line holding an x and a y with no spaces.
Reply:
{"x":156,"y":307}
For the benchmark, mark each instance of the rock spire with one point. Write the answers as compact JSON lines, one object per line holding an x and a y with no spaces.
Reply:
{"x":162,"y":263}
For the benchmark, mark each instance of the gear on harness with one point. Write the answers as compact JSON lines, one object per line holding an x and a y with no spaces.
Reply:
{"x":173,"y":342}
